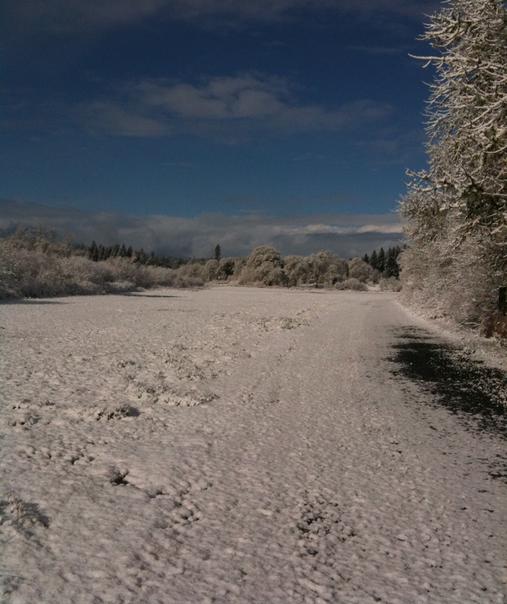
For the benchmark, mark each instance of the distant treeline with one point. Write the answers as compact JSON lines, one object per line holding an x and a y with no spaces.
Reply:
{"x":101,"y":252}
{"x":385,"y":262}
{"x":37,"y":264}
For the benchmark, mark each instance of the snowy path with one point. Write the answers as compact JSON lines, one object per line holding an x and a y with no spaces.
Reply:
{"x":235,"y":445}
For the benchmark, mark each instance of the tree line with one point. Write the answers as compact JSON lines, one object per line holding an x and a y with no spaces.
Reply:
{"x":99,"y":252}
{"x":386,"y":263}
{"x":38,"y":264}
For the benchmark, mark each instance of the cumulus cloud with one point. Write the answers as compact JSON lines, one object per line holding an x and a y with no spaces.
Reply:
{"x":344,"y":234}
{"x":223,"y":107}
{"x":244,"y":96}
{"x":117,"y":120}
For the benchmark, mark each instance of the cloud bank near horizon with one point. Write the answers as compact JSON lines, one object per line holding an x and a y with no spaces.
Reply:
{"x":347,"y":235}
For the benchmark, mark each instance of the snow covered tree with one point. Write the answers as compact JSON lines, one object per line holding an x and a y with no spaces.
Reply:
{"x":211,"y":269}
{"x":260,"y":266}
{"x":324,"y":268}
{"x":467,"y":112}
{"x":358,"y":269}
{"x":225,"y":269}
{"x":456,"y":209}
{"x":298,"y":270}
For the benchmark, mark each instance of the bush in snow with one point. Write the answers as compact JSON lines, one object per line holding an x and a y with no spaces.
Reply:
{"x":360,"y":270}
{"x":326,"y":269}
{"x":211,"y":270}
{"x":31,"y":266}
{"x":390,"y":284}
{"x":260,"y":266}
{"x":297,"y":270}
{"x":229,"y":268}
{"x":353,"y":284}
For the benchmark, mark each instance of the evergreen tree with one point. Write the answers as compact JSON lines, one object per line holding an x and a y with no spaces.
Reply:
{"x":392,"y":269}
{"x":374,"y":260}
{"x":140,"y":256}
{"x":366,"y":258}
{"x":218,"y":252}
{"x":381,"y":261}
{"x":93,"y":252}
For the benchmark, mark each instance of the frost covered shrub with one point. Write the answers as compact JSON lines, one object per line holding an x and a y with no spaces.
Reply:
{"x":297,"y":270}
{"x":9,"y":275}
{"x":37,"y":240}
{"x":265,"y":266}
{"x":82,"y":270}
{"x":276,"y":276}
{"x":260,"y":266}
{"x":125,"y":270}
{"x":338,"y":271}
{"x":390,"y":284}
{"x":325,"y":269}
{"x":226,"y":268}
{"x":28,"y":272}
{"x":360,"y":270}
{"x":33,"y":267}
{"x":211,"y":270}
{"x":460,"y":285}
{"x":32,"y":273}
{"x":353,"y":284}
{"x":320,"y":269}
{"x":239,"y":265}
{"x":190,"y":275}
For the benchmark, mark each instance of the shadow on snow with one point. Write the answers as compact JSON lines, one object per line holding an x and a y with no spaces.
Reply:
{"x":464,"y":386}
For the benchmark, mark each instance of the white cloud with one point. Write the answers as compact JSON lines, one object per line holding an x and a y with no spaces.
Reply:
{"x":223,"y":107}
{"x":244,"y":96}
{"x":345,"y":234}
{"x":117,"y":120}
{"x":355,"y":229}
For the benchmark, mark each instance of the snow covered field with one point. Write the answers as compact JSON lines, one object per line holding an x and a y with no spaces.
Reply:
{"x":236,"y":445}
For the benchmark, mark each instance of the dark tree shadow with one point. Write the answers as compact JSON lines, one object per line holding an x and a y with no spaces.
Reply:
{"x":456,"y":381}
{"x":30,"y":302}
{"x":155,"y":296}
{"x":474,"y":392}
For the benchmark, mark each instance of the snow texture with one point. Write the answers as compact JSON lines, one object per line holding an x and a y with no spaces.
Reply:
{"x":235,"y":445}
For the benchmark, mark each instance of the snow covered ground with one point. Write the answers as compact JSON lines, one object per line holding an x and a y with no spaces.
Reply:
{"x":237,"y":445}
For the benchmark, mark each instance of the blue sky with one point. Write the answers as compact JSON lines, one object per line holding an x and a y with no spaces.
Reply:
{"x":183,"y":108}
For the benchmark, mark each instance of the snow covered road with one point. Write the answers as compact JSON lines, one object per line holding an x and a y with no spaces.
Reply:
{"x":236,"y":445}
